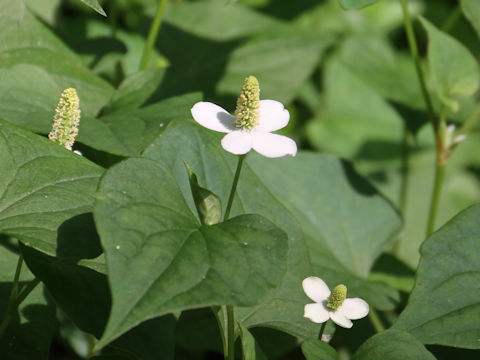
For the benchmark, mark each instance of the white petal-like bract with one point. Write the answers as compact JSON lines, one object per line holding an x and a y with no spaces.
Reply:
{"x":316,"y":289}
{"x":273,"y":145}
{"x":213,"y":117}
{"x":355,"y":308}
{"x":316,"y":312}
{"x":273,"y":116}
{"x":237,"y":142}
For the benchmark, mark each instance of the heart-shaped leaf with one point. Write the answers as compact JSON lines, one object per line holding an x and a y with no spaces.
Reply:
{"x":42,"y":185}
{"x":393,"y":345}
{"x":345,"y":221}
{"x":444,"y":305}
{"x":161,"y":260}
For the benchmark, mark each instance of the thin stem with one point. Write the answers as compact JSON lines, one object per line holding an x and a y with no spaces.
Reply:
{"x":231,"y":333}
{"x":322,"y":329}
{"x":11,"y":307}
{"x":439,"y":175}
{"x":375,"y":320}
{"x":26,"y":290}
{"x":405,"y":171}
{"x":234,"y":187}
{"x":152,"y":35}
{"x":412,"y":43}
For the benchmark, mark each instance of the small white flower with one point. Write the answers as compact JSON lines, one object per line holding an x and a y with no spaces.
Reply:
{"x":332,"y":305}
{"x":252,"y":126}
{"x":450,"y":138}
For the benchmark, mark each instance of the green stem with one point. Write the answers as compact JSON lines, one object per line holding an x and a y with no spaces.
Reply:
{"x":322,"y":329}
{"x":11,"y":307}
{"x":234,"y":187}
{"x":405,"y":171}
{"x":375,"y":320}
{"x":26,"y":290}
{"x":439,"y":175}
{"x":152,"y":35}
{"x":412,"y":43}
{"x":230,"y":333}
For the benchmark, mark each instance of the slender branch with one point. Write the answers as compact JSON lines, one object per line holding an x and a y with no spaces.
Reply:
{"x":152,"y":35}
{"x":234,"y":187}
{"x":439,"y":175}
{"x":375,"y":320}
{"x":26,"y":290}
{"x":11,"y":307}
{"x":412,"y":43}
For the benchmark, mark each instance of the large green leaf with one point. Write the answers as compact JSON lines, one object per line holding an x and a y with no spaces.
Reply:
{"x":393,"y":345}
{"x":444,"y":305}
{"x":37,"y":67}
{"x":355,"y":4}
{"x":339,"y":233}
{"x":318,"y":350}
{"x":215,"y":168}
{"x":471,"y":9}
{"x":453,"y":68}
{"x":161,"y":260}
{"x":30,"y":332}
{"x":42,"y":185}
{"x":213,"y":19}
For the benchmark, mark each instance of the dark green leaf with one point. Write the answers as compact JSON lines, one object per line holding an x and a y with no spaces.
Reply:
{"x":250,"y":348}
{"x":318,"y":350}
{"x":145,"y":224}
{"x":471,"y":9}
{"x":444,"y":305}
{"x":42,"y":185}
{"x":392,"y":345}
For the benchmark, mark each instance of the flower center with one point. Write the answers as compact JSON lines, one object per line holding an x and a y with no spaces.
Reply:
{"x":336,"y":298}
{"x":66,"y":119}
{"x":247,"y":104}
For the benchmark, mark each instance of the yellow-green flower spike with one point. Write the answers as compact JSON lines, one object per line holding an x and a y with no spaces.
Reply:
{"x":66,"y":119}
{"x":247,"y":104}
{"x":336,"y":298}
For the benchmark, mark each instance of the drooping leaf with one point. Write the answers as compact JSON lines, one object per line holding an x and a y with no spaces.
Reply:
{"x":318,"y":350}
{"x":444,"y":305}
{"x":471,"y":9}
{"x":355,"y":4}
{"x":394,"y":345}
{"x":273,"y":188}
{"x":30,"y":332}
{"x":145,"y":224}
{"x":95,"y":6}
{"x":42,"y":185}
{"x":453,"y":68}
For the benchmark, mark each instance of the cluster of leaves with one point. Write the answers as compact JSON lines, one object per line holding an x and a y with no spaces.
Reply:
{"x":114,"y":235}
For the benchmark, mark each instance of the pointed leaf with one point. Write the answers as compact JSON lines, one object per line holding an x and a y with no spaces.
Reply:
{"x":95,"y":6}
{"x":160,"y":260}
{"x":444,"y":305}
{"x":453,"y":68}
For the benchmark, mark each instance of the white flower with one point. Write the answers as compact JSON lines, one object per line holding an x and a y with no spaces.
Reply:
{"x":332,"y":305}
{"x":450,"y":140}
{"x":252,"y":126}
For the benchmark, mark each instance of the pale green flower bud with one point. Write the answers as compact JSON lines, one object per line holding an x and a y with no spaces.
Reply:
{"x":248,"y":104}
{"x":66,"y":119}
{"x":337,"y":297}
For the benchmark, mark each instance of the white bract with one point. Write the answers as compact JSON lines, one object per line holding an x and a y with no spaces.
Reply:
{"x":252,"y":124}
{"x":332,"y":304}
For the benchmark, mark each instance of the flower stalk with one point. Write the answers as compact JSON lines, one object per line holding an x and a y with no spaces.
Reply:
{"x":152,"y":35}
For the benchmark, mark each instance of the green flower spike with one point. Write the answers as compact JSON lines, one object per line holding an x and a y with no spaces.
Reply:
{"x":337,"y":297}
{"x":66,"y":119}
{"x":247,"y":104}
